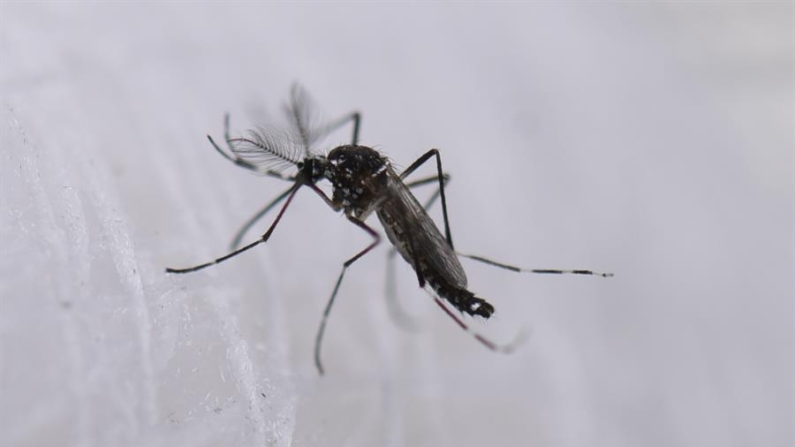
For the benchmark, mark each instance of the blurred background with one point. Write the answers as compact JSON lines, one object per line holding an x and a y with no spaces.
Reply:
{"x":650,"y":140}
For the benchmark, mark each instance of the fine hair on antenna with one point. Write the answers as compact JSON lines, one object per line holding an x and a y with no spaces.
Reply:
{"x":363,"y":182}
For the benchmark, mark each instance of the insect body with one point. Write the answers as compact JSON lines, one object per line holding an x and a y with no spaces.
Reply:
{"x":363,"y":182}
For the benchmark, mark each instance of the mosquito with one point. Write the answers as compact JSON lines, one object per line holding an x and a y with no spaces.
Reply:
{"x":363,"y":182}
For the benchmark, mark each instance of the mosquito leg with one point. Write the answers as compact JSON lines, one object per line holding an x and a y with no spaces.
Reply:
{"x":255,"y":218}
{"x":504,"y":348}
{"x":426,"y":180}
{"x":234,"y":253}
{"x":440,"y":176}
{"x":541,"y":271}
{"x":399,"y":316}
{"x":322,"y":328}
{"x":436,"y":194}
{"x":512,"y":268}
{"x":356,"y":117}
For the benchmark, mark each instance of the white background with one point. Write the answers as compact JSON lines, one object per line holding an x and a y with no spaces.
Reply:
{"x":651,"y":140}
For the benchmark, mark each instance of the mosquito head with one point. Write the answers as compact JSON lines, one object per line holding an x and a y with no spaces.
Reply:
{"x":312,"y":169}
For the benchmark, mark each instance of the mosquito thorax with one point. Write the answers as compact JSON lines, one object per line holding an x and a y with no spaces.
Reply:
{"x":358,"y":175}
{"x":357,"y":159}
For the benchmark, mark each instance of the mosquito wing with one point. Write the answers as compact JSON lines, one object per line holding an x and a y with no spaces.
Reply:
{"x":414,"y":234}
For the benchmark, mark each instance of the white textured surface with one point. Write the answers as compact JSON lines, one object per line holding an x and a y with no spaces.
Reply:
{"x":653,"y":140}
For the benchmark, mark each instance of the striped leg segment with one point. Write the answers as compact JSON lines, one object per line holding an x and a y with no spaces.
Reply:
{"x":504,"y":348}
{"x":401,"y":318}
{"x":322,"y":329}
{"x":539,"y":271}
{"x":261,"y":240}
{"x":241,"y":233}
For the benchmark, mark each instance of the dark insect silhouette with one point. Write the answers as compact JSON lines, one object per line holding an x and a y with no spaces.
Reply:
{"x":363,"y":182}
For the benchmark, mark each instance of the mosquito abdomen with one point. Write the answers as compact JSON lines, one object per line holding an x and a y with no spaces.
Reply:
{"x":462,"y":299}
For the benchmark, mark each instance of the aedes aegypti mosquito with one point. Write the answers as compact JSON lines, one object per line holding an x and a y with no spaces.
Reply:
{"x":363,"y":182}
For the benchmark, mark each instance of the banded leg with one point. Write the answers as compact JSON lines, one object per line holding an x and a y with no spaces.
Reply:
{"x":327,"y":311}
{"x":241,"y":233}
{"x":264,"y":238}
{"x":526,"y":270}
{"x":487,"y":261}
{"x":399,"y":316}
{"x":504,"y":348}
